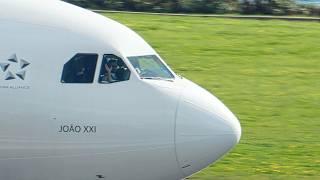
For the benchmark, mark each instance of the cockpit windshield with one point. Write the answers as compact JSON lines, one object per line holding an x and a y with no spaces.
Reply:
{"x":150,"y":67}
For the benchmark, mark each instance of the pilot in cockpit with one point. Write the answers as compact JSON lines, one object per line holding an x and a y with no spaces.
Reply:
{"x":111,"y":68}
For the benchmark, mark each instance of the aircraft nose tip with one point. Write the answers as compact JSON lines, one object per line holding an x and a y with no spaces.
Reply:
{"x":205,"y":130}
{"x":233,"y":127}
{"x":232,"y":133}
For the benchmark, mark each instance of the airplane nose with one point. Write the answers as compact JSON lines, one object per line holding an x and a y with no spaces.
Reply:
{"x":205,"y":129}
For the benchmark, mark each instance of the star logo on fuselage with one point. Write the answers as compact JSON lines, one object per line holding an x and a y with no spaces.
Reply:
{"x":20,"y":68}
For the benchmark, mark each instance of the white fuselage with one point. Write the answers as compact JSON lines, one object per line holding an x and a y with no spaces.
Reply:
{"x":139,"y":129}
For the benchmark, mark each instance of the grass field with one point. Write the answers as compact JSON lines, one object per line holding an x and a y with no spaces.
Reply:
{"x":267,"y":72}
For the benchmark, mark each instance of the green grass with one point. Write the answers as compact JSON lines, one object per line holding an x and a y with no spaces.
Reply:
{"x":267,"y":72}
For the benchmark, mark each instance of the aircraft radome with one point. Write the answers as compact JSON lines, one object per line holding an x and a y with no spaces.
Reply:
{"x":84,"y":98}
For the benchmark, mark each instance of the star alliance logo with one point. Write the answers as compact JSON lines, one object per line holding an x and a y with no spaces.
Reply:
{"x":18,"y":65}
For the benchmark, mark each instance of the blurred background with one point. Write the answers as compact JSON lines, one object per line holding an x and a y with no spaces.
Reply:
{"x":271,"y":7}
{"x":266,"y":71}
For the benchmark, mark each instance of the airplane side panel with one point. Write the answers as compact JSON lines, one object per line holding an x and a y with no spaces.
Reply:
{"x":133,"y":133}
{"x":51,"y":130}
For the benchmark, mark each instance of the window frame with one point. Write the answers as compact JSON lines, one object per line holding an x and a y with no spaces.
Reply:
{"x":94,"y":73}
{"x":102,"y":66}
{"x":171,"y":72}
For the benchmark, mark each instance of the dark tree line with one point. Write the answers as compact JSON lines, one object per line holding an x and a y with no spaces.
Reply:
{"x":270,"y":7}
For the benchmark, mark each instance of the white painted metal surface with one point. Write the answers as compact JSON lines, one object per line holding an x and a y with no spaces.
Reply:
{"x":137,"y":129}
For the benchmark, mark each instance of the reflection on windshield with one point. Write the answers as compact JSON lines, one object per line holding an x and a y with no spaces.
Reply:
{"x":150,"y":67}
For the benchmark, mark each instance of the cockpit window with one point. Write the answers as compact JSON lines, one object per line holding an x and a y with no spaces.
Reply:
{"x":80,"y":69}
{"x":113,"y":69}
{"x":150,"y":67}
